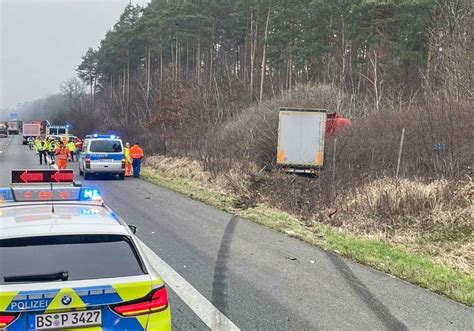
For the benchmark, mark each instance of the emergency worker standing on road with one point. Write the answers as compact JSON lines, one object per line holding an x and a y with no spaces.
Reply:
{"x":52,"y":149}
{"x":128,"y":161}
{"x":72,"y":149}
{"x":31,"y":143}
{"x":136,"y":152}
{"x":78,"y":143}
{"x":42,"y":150}
{"x":63,"y":155}
{"x":37,"y":143}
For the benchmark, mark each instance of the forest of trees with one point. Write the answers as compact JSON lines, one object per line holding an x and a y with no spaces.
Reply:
{"x":179,"y":68}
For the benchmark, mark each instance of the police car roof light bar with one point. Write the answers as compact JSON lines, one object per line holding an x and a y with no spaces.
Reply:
{"x":36,"y":193}
{"x":103,"y":136}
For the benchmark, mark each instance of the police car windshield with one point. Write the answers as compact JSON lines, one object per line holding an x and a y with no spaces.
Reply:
{"x":106,"y":146}
{"x":83,"y":256}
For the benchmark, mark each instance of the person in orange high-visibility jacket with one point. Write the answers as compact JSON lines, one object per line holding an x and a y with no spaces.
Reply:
{"x":136,"y":153}
{"x":63,"y":155}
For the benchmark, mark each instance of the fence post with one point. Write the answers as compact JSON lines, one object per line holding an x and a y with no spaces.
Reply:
{"x":372,"y":159}
{"x":400,"y":152}
{"x":334,"y":168}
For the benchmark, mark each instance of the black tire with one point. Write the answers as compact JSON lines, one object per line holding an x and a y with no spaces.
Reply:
{"x":121,"y":176}
{"x":87,"y":175}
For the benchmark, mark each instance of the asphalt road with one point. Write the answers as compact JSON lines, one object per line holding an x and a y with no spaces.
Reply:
{"x":260,"y":279}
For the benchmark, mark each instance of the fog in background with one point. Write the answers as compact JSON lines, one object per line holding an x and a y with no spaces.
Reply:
{"x":42,"y":42}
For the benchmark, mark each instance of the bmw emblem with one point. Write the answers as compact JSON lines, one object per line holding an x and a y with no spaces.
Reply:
{"x":66,"y":300}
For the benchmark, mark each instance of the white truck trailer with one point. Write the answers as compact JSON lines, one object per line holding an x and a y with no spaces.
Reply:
{"x":301,"y":134}
{"x":32,"y":129}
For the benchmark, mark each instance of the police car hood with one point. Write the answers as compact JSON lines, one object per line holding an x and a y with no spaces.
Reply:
{"x":41,"y":220}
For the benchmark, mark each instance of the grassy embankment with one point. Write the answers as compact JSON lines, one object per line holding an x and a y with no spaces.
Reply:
{"x":399,"y":260}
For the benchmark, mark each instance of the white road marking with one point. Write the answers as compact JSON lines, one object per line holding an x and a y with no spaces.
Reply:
{"x":204,"y":309}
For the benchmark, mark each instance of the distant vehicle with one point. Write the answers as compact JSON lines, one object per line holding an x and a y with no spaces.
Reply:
{"x":44,"y":125}
{"x":13,"y":127}
{"x":3,"y":130}
{"x":31,"y":129}
{"x":77,"y":265}
{"x":102,"y":154}
{"x":60,"y":138}
{"x":57,"y":130}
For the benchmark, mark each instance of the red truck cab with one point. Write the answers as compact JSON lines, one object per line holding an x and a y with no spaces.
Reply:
{"x":335,"y":123}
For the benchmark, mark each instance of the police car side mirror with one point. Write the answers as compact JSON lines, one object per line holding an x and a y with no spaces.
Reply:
{"x":133,"y":228}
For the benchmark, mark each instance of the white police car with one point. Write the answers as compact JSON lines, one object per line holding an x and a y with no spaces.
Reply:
{"x":67,"y":261}
{"x":102,"y":154}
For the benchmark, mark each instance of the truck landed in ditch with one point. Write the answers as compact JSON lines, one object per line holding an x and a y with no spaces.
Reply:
{"x":302,"y":134}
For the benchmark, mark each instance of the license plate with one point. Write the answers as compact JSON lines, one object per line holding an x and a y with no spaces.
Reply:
{"x":106,"y":160}
{"x":68,"y":320}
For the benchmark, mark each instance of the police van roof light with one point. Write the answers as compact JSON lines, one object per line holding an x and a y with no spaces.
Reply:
{"x":6,"y":195}
{"x":90,"y":194}
{"x":102,"y":136}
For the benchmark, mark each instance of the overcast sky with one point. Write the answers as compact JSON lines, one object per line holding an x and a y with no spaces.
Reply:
{"x":42,"y":42}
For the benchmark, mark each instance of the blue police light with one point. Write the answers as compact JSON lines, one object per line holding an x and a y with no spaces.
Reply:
{"x":67,"y":126}
{"x":6,"y":195}
{"x":95,"y":135}
{"x":90,"y":194}
{"x":112,"y":137}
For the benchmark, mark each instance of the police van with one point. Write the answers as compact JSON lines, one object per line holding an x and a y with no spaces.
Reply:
{"x":68,"y":261}
{"x":102,"y":154}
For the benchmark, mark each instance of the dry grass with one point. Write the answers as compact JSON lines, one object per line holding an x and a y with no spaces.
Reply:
{"x":388,"y":204}
{"x":234,"y":181}
{"x":180,"y":167}
{"x":434,"y":218}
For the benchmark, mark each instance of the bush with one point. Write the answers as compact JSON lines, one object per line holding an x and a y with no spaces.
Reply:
{"x":252,"y":137}
{"x":438,"y":138}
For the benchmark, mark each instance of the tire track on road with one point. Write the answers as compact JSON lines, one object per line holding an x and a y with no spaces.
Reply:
{"x":220,"y":281}
{"x":359,"y":288}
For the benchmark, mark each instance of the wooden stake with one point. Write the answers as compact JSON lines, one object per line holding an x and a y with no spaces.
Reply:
{"x":334,"y":169}
{"x":400,"y":152}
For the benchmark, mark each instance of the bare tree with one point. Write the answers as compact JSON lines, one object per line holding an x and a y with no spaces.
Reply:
{"x":376,"y":81}
{"x":454,"y":39}
{"x":264,"y":53}
{"x":73,"y":90}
